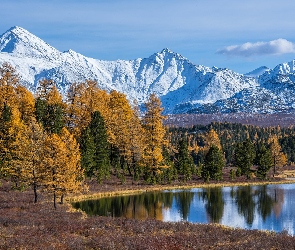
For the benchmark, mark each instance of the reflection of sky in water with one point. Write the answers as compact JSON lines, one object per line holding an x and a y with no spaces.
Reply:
{"x":281,"y":216}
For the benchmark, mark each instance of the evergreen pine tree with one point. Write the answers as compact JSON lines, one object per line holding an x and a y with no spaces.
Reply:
{"x":184,"y":162}
{"x":244,"y":156}
{"x":87,"y":148}
{"x":213,"y":164}
{"x":95,"y":148}
{"x":49,"y":107}
{"x":265,"y":162}
{"x":55,"y":119}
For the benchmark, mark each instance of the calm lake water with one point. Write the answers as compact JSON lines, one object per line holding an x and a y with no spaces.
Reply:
{"x":267,"y":207}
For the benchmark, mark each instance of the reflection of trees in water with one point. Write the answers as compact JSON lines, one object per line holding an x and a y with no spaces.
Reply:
{"x":278,"y":198}
{"x":93,"y":207}
{"x":151,"y":204}
{"x":215,"y":203}
{"x":135,"y":206}
{"x":265,"y":202}
{"x":183,"y":201}
{"x":245,"y":203}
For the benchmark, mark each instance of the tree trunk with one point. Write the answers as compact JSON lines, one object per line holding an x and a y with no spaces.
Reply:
{"x":62,"y":199}
{"x":35,"y":187}
{"x":54,"y":188}
{"x":35,"y":193}
{"x":54,"y":200}
{"x":129,"y":169}
{"x":274,"y":166}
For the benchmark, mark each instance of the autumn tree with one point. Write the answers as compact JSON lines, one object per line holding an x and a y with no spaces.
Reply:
{"x":155,"y":136}
{"x":73,"y":174}
{"x":25,"y":150}
{"x":14,"y":95}
{"x":136,"y":142}
{"x":11,"y":141}
{"x":125,"y":132}
{"x":118,"y":126}
{"x":83,"y":99}
{"x":212,"y":138}
{"x":279,"y":158}
{"x":62,"y":161}
{"x":9,"y":80}
{"x":26,"y":104}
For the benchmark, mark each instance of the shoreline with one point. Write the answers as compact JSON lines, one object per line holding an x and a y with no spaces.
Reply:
{"x":130,"y":191}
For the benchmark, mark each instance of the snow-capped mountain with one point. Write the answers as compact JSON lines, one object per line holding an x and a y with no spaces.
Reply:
{"x":258,"y":72}
{"x":181,"y":85}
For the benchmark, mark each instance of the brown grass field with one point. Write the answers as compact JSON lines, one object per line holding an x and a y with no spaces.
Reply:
{"x":25,"y":225}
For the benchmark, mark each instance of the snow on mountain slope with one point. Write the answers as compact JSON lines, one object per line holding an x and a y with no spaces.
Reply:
{"x":19,"y":42}
{"x":258,"y":72}
{"x":181,"y":85}
{"x":274,"y":93}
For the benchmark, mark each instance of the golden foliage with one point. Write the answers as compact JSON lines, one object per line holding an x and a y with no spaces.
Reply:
{"x":62,"y":160}
{"x":280,"y":159}
{"x":83,"y":100}
{"x":154,"y":134}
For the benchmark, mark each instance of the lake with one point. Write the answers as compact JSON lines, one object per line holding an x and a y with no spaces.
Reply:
{"x":263,"y":207}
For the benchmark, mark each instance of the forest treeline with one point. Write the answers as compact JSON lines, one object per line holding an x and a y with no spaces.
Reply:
{"x":52,"y":143}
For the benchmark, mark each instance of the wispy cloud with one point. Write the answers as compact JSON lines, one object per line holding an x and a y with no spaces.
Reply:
{"x":275,"y":47}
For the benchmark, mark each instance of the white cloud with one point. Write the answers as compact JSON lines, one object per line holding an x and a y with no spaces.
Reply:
{"x":275,"y":47}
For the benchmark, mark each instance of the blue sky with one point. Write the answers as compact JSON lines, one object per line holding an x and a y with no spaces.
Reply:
{"x":240,"y":35}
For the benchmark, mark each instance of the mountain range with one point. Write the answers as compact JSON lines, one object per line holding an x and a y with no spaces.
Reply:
{"x":182,"y":86}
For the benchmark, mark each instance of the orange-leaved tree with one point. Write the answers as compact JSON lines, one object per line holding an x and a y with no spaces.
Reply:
{"x":84,"y":99}
{"x":62,"y":161}
{"x":154,"y":137}
{"x":279,"y":158}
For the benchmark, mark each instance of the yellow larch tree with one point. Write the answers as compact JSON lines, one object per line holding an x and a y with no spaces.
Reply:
{"x":62,"y":161}
{"x":9,"y":80}
{"x":74,"y":174}
{"x":212,"y":138}
{"x":26,"y":104}
{"x":118,"y":125}
{"x":154,"y":136}
{"x":45,"y":86}
{"x":124,"y":130}
{"x":14,"y":95}
{"x":26,"y":154}
{"x":14,"y":149}
{"x":37,"y":173}
{"x":137,"y":139}
{"x":84,"y":99}
{"x":279,"y":158}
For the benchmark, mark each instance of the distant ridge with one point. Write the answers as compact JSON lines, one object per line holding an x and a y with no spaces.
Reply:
{"x":182,"y":86}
